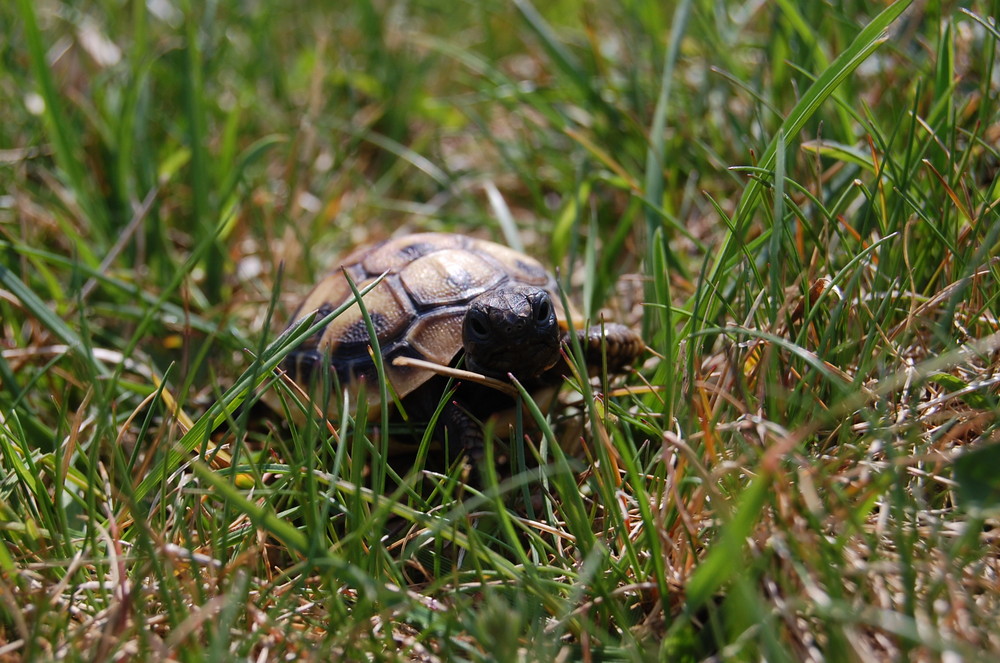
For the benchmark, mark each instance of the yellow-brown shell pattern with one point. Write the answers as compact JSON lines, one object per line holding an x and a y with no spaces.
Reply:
{"x":417,"y":309}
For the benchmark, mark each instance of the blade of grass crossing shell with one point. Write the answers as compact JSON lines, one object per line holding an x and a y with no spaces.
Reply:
{"x":341,"y":464}
{"x":230,"y":400}
{"x":378,"y":468}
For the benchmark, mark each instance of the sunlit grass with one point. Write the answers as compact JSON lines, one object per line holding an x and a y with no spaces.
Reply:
{"x":794,"y":202}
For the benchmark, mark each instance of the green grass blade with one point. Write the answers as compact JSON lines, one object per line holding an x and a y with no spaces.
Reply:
{"x":868,"y":40}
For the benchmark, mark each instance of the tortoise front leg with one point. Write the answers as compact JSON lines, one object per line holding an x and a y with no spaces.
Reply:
{"x":621,"y":345}
{"x":460,"y":427}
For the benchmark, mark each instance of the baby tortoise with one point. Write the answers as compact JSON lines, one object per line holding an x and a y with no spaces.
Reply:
{"x":450,"y":300}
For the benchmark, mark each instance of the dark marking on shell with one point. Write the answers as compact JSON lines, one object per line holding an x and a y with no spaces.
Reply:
{"x":461,"y":281}
{"x":417,"y":250}
{"x":356,"y":336}
{"x":532,"y":269}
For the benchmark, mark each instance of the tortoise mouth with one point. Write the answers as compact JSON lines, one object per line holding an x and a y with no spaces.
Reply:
{"x":511,"y":330}
{"x":524,"y":361}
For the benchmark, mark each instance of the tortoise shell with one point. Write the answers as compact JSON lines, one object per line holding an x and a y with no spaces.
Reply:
{"x":417,"y":309}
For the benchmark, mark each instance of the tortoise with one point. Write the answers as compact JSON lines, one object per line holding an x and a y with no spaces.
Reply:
{"x":451,"y":300}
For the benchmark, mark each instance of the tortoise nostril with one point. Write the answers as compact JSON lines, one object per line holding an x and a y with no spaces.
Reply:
{"x":543,"y":311}
{"x":478,"y":327}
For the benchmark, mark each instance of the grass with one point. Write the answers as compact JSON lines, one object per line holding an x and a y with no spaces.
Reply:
{"x":796,"y":202}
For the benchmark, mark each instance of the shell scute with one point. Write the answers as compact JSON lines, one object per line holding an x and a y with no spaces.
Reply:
{"x":395,"y":254}
{"x":450,"y":276}
{"x":390,"y":310}
{"x":519,"y":266}
{"x":436,"y":336}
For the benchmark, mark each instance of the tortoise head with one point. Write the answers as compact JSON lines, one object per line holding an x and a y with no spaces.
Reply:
{"x":511,"y":329}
